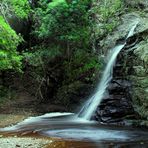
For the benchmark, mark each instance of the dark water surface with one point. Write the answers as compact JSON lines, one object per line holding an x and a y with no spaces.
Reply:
{"x":68,"y":131}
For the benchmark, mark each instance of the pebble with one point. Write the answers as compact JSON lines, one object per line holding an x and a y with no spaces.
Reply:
{"x":12,"y":142}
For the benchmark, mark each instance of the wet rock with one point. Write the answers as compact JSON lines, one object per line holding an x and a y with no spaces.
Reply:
{"x":141,"y":4}
{"x":110,"y":120}
{"x":142,"y":51}
{"x":123,"y":29}
{"x":115,"y":110}
{"x":118,"y":71}
{"x":139,"y":78}
{"x":119,"y":87}
{"x":139,"y":70}
{"x":116,"y":105}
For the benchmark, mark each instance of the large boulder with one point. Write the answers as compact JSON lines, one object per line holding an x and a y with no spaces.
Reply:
{"x":120,"y":33}
{"x":141,"y":4}
{"x":117,"y":104}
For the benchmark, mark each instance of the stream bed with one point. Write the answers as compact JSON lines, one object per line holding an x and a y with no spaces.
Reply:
{"x":66,"y":130}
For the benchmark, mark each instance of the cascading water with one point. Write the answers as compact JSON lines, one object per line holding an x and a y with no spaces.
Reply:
{"x":91,"y":105}
{"x":68,"y":127}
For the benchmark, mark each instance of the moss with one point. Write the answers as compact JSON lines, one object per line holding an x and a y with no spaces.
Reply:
{"x":140,"y":81}
{"x":106,"y":17}
{"x":139,"y":123}
{"x":142,"y":51}
{"x":140,"y":95}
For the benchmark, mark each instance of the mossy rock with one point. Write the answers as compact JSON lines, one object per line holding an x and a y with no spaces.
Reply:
{"x":142,"y":51}
{"x":140,"y":81}
{"x":140,"y":100}
{"x":137,"y":3}
{"x":139,"y":70}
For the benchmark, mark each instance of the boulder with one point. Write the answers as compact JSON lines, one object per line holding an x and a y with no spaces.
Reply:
{"x":127,"y":21}
{"x":115,"y":109}
{"x":141,"y":4}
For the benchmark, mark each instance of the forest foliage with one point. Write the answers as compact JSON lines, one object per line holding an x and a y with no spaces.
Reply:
{"x":67,"y":23}
{"x":59,"y":47}
{"x":56,"y":53}
{"x":9,"y":40}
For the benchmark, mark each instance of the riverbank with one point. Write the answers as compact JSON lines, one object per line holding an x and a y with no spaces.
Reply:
{"x":11,"y":119}
{"x":20,"y":142}
{"x":14,"y":142}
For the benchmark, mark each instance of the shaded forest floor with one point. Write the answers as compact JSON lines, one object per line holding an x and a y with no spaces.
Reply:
{"x":23,"y":106}
{"x":14,"y":111}
{"x":11,"y":119}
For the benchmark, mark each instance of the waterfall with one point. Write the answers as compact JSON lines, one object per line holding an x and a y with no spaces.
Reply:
{"x":91,"y":105}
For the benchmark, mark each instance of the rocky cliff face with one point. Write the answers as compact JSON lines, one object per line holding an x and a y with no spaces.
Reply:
{"x":139,"y":77}
{"x":127,"y":95}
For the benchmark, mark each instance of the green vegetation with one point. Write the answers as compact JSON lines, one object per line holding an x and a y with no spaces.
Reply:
{"x":10,"y":57}
{"x":60,"y":49}
{"x":9,"y":40}
{"x":106,"y":14}
{"x":19,"y":8}
{"x":62,"y":22}
{"x":58,"y":58}
{"x":82,"y":67}
{"x":63,"y":31}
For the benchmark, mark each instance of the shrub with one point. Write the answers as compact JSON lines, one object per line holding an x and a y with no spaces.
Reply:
{"x":82,"y":66}
{"x":105,"y":16}
{"x":9,"y":40}
{"x":19,"y":8}
{"x":63,"y":22}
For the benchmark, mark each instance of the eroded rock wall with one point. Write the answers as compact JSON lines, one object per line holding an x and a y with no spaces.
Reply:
{"x":127,"y":95}
{"x":139,"y":78}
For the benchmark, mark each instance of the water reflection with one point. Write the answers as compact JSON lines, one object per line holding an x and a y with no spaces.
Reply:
{"x":70,"y":131}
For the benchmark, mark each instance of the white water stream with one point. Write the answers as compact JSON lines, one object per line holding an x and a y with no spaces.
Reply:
{"x":91,"y":105}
